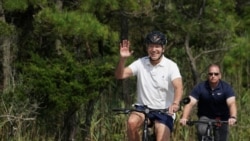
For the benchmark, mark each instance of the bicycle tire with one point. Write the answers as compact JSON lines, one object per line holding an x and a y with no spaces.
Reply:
{"x":152,"y":137}
{"x":207,"y":138}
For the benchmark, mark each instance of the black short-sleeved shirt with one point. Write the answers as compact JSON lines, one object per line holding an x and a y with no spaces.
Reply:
{"x":212,"y":103}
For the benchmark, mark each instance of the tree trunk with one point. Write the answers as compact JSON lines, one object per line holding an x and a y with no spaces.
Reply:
{"x":192,"y":60}
{"x":6,"y":64}
{"x":85,"y":131}
{"x":124,"y":26}
{"x":70,"y":126}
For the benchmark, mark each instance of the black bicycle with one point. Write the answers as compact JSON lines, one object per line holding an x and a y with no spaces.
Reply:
{"x":145,"y":134}
{"x":211,"y":127}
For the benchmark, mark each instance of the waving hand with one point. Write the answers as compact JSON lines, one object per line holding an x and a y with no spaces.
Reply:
{"x":125,"y":51}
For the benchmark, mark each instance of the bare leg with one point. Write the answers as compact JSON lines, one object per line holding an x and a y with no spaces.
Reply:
{"x":135,"y":121}
{"x":162,"y":132}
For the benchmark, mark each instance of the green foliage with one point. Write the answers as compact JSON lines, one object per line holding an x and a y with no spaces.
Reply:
{"x":244,"y":15}
{"x":64,"y":84}
{"x":22,"y":5}
{"x":238,"y":54}
{"x":6,"y":29}
{"x":38,"y":3}
{"x":100,"y":5}
{"x":71,"y":24}
{"x":15,"y":5}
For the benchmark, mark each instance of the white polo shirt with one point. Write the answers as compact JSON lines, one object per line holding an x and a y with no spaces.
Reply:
{"x":154,"y":83}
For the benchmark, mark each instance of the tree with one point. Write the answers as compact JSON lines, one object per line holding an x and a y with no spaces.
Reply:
{"x":60,"y":61}
{"x":7,"y":54}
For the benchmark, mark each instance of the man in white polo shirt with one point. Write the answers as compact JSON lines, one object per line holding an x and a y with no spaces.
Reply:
{"x":159,"y":85}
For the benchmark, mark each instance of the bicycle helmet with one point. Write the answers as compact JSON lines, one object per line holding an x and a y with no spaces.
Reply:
{"x":155,"y":37}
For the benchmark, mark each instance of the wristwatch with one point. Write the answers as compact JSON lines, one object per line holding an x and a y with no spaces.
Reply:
{"x":233,"y":117}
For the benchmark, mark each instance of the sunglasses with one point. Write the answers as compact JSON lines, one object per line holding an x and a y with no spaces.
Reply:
{"x":215,"y":73}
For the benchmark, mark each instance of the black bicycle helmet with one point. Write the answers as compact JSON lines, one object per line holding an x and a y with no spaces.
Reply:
{"x":156,"y":37}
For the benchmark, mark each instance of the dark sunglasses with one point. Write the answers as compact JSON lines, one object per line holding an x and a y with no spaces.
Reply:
{"x":215,"y":73}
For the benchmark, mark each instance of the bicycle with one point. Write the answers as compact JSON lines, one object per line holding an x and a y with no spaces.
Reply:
{"x":145,"y":134}
{"x":210,"y":130}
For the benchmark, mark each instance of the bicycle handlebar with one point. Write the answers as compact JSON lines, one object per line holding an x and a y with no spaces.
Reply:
{"x":147,"y":110}
{"x":210,"y":122}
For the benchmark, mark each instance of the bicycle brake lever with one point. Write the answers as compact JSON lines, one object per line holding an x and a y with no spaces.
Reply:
{"x":190,"y":123}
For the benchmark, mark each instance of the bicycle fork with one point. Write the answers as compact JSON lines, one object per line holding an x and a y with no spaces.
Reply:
{"x":209,"y":134}
{"x":145,"y":130}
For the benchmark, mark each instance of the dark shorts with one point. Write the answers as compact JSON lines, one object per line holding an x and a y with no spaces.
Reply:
{"x":160,"y":117}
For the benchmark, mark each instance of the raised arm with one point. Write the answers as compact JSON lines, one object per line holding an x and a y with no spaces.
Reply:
{"x":121,"y":71}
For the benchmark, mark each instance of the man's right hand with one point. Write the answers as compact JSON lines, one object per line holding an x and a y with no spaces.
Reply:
{"x":183,"y":121}
{"x":125,"y":49}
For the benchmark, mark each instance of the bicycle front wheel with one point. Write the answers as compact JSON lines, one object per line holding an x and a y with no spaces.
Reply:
{"x":151,"y":137}
{"x":207,"y":138}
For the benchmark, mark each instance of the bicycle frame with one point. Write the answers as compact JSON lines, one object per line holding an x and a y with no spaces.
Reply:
{"x":145,"y":128}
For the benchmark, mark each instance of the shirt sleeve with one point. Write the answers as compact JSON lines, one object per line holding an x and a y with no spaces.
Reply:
{"x":134,"y":67}
{"x":195,"y":93}
{"x":229,"y":91}
{"x":175,"y":72}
